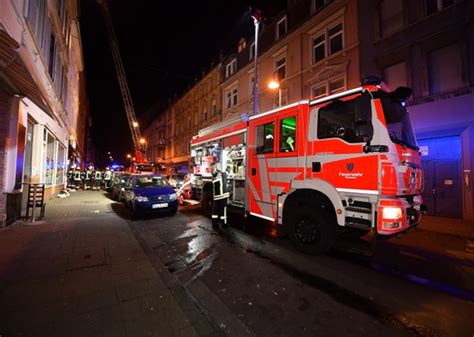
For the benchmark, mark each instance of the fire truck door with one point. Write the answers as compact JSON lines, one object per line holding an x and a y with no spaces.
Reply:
{"x":262,"y":153}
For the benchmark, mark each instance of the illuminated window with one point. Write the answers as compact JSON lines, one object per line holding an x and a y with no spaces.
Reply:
{"x":288,"y":134}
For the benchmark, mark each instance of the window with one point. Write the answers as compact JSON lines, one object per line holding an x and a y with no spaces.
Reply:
{"x":318,"y":91}
{"x":52,"y":56}
{"x":204,"y":115}
{"x":50,"y":165}
{"x":288,"y":134}
{"x":319,"y":52}
{"x":252,"y":51}
{"x":230,"y":68}
{"x":264,"y":138}
{"x":231,"y":98}
{"x":280,"y":68}
{"x":242,"y":44}
{"x":329,"y":87}
{"x":337,"y":120}
{"x":433,"y":6}
{"x":213,"y":107}
{"x":395,"y":75}
{"x":391,"y":16}
{"x":251,"y":83}
{"x":445,"y":69}
{"x":280,"y":28}
{"x":328,"y":43}
{"x":335,"y":39}
{"x":60,"y":166}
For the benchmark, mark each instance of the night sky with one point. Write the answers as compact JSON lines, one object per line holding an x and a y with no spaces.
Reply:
{"x":164,"y":47}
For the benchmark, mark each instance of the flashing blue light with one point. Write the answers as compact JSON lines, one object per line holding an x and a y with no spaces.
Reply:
{"x":244,"y":117}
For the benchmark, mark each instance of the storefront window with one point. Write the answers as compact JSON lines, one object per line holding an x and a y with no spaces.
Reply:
{"x":49,"y":169}
{"x":60,"y":165}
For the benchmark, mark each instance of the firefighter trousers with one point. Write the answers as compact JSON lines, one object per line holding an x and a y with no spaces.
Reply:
{"x":219,"y":213}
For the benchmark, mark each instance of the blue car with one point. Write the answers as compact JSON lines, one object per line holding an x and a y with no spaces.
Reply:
{"x":150,"y":193}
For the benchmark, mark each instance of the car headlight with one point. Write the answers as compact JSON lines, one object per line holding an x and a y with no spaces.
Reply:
{"x":173,"y":196}
{"x":392,"y":213}
{"x":140,"y":198}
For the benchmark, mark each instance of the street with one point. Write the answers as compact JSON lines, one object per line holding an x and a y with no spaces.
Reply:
{"x":251,"y":282}
{"x":85,"y":273}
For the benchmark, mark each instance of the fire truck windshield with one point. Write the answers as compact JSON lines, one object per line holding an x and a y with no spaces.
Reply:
{"x":398,"y":122}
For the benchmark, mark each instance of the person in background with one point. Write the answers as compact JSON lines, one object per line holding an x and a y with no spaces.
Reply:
{"x":86,"y":177}
{"x":107,"y":178}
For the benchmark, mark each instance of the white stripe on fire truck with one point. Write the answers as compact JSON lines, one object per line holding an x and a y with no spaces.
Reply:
{"x":352,"y":190}
{"x":278,"y":109}
{"x":262,"y":216}
{"x":220,"y":137}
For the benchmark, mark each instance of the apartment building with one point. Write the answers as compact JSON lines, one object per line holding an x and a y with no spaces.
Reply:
{"x":43,"y":108}
{"x":311,"y":49}
{"x":427,"y":45}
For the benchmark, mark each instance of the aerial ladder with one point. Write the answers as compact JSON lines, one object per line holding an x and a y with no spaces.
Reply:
{"x":138,"y":143}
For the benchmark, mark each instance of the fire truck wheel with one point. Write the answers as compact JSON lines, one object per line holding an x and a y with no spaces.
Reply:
{"x":311,"y":231}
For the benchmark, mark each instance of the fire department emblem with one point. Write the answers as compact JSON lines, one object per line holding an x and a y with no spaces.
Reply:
{"x":350,"y":166}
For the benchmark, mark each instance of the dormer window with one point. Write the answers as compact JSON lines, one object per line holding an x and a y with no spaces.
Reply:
{"x":281,"y":28}
{"x":242,"y":45}
{"x":230,"y":68}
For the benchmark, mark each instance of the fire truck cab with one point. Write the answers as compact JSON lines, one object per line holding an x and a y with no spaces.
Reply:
{"x":346,"y":161}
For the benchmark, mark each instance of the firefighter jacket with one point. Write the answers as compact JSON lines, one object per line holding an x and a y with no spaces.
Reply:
{"x":77,"y":175}
{"x":107,"y":175}
{"x":86,"y":175}
{"x":97,"y":175}
{"x":219,"y":184}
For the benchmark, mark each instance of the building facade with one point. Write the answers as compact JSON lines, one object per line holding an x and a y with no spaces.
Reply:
{"x":311,"y":49}
{"x":428,"y":46}
{"x":43,"y":109}
{"x":171,"y":132}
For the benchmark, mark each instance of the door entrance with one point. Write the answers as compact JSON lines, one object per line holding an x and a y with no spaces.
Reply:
{"x":441,"y":160}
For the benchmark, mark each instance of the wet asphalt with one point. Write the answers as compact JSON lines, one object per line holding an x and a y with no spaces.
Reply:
{"x":249,"y":282}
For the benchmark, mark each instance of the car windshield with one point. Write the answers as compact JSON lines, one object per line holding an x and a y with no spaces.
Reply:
{"x":398,"y":122}
{"x":145,"y":182}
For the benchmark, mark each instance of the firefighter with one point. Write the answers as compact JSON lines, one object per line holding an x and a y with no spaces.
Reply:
{"x":86,"y":177}
{"x":70,"y":177}
{"x":77,"y":178}
{"x":107,"y":178}
{"x":97,"y":177}
{"x":219,"y":187}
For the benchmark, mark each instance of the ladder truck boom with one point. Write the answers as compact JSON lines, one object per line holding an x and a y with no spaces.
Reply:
{"x":122,"y":80}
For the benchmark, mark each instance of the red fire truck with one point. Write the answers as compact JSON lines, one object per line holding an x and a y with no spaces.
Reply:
{"x":343,"y":162}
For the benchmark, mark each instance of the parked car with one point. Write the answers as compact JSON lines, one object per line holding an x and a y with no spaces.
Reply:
{"x":149,"y":194}
{"x":119,"y":182}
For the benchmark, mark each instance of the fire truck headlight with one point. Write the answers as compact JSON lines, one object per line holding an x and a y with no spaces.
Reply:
{"x":140,"y":198}
{"x":392,"y":213}
{"x":173,"y":196}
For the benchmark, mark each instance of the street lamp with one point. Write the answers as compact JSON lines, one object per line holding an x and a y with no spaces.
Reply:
{"x":257,"y":17}
{"x":275,"y":85}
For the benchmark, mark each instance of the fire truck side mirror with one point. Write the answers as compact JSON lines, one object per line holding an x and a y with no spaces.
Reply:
{"x":402,"y":93}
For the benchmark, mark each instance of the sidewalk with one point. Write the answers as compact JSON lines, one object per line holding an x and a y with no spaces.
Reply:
{"x":83,"y":273}
{"x":450,"y":226}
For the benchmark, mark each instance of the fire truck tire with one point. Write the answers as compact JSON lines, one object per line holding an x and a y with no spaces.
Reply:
{"x":312,"y":231}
